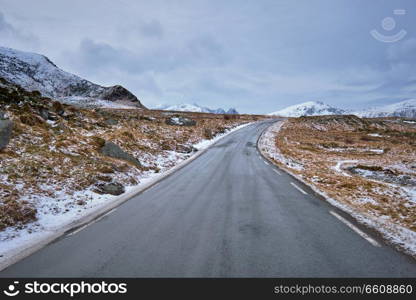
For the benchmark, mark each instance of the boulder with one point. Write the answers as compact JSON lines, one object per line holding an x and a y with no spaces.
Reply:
{"x":185,"y":149}
{"x":113,"y":188}
{"x":6,"y":127}
{"x":110,"y":121}
{"x":112,"y":150}
{"x":180,"y":121}
{"x":208,"y":133}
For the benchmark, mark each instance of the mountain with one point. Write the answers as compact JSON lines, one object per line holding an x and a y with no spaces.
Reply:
{"x":311,"y":108}
{"x":33,"y":71}
{"x":196,"y":108}
{"x":406,"y":109}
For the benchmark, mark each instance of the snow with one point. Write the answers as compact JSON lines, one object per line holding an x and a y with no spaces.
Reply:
{"x":195,"y":108}
{"x":338,"y":166}
{"x":35,"y":72}
{"x":59,"y":209}
{"x":44,"y":76}
{"x":94,"y":102}
{"x":311,"y":108}
{"x":378,"y":151}
{"x":268,"y":147}
{"x":206,"y":143}
{"x":406,"y":108}
{"x":394,"y":233}
{"x":411,"y":193}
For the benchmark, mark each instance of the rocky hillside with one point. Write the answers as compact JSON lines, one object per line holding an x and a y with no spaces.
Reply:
{"x":311,"y":108}
{"x":35,"y":72}
{"x":58,"y":160}
{"x":196,"y":108}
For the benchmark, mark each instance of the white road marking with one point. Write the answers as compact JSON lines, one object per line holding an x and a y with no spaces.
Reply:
{"x":277,"y":172}
{"x":105,"y":215}
{"x":92,"y":222}
{"x":361,"y":233}
{"x":79,"y":229}
{"x":266,"y":162}
{"x":298,"y":188}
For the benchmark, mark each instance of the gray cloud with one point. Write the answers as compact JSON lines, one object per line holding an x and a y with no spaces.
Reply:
{"x":152,"y":29}
{"x":14,"y":37}
{"x":256,"y":55}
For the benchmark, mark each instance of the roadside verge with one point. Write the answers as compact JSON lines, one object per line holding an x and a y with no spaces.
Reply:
{"x":399,"y":237}
{"x":43,"y":238}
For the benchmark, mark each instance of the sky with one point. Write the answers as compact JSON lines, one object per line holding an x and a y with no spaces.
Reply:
{"x":258,"y":56}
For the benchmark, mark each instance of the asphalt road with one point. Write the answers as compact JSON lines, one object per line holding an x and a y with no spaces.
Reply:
{"x":226,"y":214}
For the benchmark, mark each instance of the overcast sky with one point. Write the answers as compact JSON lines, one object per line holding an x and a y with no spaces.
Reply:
{"x":256,"y":55}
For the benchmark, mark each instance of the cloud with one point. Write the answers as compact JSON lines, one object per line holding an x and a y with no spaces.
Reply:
{"x":258,"y":56}
{"x":152,"y":29}
{"x":93,"y":56}
{"x":14,"y":37}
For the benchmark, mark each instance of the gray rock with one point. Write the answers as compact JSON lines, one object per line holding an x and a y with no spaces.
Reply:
{"x":6,"y":127}
{"x":44,"y":113}
{"x":185,"y":149}
{"x":112,"y":150}
{"x":180,"y":121}
{"x":111,"y":122}
{"x":113,"y":188}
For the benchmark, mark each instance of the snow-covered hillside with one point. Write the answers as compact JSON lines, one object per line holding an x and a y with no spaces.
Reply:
{"x":196,"y":108}
{"x":311,"y":108}
{"x":405,"y":109}
{"x":36,"y":72}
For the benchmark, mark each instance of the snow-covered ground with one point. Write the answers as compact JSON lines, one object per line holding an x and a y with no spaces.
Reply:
{"x":268,"y":147}
{"x":59,"y":210}
{"x":393,"y":232}
{"x":93,"y":103}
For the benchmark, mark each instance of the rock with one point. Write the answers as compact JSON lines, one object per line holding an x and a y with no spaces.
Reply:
{"x":113,"y":188}
{"x":44,"y":113}
{"x":185,"y":149}
{"x":6,"y":127}
{"x":58,"y":108}
{"x":147,"y":118}
{"x":111,"y":122}
{"x":180,"y":121}
{"x":112,"y":150}
{"x":208,"y":133}
{"x":119,"y":93}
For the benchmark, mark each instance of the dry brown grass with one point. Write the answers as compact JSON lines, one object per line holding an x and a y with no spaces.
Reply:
{"x":43,"y":157}
{"x":318,"y":143}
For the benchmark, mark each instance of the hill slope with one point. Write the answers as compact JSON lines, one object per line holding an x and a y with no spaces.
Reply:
{"x":196,"y":108}
{"x":311,"y":108}
{"x":406,"y":109}
{"x":36,"y":72}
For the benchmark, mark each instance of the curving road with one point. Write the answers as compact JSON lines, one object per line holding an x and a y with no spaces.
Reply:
{"x":226,"y":214}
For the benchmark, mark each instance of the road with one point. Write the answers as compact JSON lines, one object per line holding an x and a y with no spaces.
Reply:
{"x":226,"y":214}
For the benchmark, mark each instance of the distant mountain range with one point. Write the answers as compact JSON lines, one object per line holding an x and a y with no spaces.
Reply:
{"x":33,"y":71}
{"x":405,"y":108}
{"x":196,"y":108}
{"x":311,"y":108}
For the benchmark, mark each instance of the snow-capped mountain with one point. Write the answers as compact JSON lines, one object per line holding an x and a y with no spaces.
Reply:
{"x":196,"y":108}
{"x":33,"y":71}
{"x":311,"y":108}
{"x":406,"y":109}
